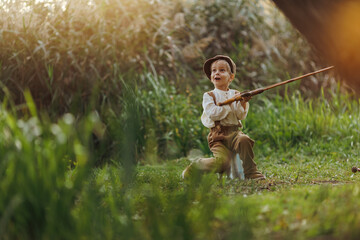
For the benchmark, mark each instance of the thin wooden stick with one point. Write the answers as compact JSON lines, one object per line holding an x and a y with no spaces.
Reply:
{"x":260,"y":90}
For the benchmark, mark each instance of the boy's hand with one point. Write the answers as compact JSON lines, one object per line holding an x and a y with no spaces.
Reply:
{"x":243,"y":99}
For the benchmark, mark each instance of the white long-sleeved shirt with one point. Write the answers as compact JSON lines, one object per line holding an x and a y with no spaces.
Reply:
{"x":228,"y":115}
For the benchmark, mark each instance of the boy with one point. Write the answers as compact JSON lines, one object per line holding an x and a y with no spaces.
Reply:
{"x":225,"y":139}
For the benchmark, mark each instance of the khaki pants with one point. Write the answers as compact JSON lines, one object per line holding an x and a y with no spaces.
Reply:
{"x":225,"y":143}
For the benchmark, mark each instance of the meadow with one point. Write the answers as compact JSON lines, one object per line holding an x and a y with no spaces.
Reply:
{"x":51,"y":187}
{"x":100,"y":115}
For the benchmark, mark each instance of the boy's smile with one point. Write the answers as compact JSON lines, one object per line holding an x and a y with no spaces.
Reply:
{"x":221,"y":76}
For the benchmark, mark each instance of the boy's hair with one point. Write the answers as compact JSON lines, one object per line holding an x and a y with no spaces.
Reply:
{"x":207,"y":64}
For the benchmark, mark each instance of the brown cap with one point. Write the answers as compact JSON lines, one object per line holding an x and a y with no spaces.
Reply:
{"x":207,"y":64}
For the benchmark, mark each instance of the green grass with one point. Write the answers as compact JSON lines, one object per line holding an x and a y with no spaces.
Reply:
{"x":310,"y":195}
{"x":306,"y":148}
{"x":51,"y":189}
{"x":299,"y":200}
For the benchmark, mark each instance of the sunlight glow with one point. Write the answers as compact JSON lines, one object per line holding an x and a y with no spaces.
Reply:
{"x":346,"y":31}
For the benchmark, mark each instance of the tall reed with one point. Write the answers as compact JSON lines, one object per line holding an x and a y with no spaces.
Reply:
{"x":67,"y":51}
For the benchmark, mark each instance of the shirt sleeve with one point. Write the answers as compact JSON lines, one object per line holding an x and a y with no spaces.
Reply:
{"x":240,"y":112}
{"x":214,"y":112}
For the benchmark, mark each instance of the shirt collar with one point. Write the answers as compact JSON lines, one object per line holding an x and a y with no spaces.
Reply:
{"x":221,"y":91}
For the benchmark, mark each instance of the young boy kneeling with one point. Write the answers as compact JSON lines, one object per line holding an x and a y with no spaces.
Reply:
{"x":225,"y":138}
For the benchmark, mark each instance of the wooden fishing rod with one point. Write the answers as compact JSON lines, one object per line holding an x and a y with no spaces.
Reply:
{"x":260,"y":90}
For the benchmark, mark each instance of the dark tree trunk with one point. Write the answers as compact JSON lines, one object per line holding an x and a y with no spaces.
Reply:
{"x":332,"y":27}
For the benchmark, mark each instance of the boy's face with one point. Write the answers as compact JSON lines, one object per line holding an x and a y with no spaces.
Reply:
{"x":221,"y":75}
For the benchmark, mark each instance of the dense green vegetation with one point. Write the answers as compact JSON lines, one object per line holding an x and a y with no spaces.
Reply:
{"x":50,"y":188}
{"x":101,"y":105}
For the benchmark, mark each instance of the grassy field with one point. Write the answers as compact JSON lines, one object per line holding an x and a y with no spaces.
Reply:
{"x":307,"y":195}
{"x":304,"y":199}
{"x":51,"y":189}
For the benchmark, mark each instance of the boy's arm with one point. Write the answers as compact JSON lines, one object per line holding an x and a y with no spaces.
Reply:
{"x":214,"y":112}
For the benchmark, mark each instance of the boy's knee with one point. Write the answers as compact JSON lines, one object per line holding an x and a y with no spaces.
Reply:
{"x":243,"y":140}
